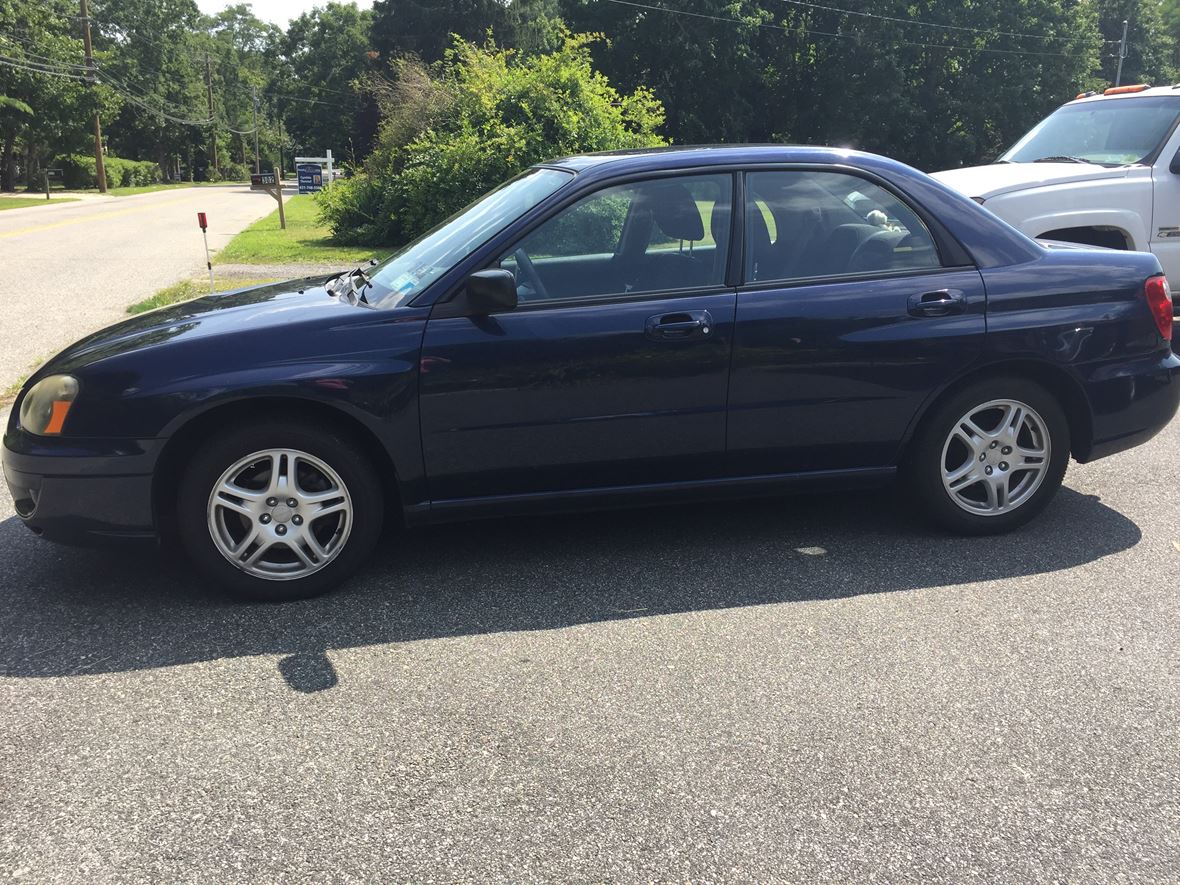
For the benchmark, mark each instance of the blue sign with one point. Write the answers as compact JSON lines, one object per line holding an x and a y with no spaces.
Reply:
{"x":311,"y":177}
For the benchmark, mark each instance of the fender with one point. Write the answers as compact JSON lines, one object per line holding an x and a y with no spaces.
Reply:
{"x":1126,"y":221}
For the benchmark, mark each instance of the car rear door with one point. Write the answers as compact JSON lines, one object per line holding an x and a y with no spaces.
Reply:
{"x":848,"y":318}
{"x":614,"y":367}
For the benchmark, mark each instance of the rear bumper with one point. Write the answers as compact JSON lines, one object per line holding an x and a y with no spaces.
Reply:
{"x":82,"y":492}
{"x":1132,"y":402}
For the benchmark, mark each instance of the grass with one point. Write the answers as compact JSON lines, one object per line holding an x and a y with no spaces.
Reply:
{"x":305,"y":241}
{"x":8,"y":394}
{"x":186,"y":290}
{"x":21,"y":202}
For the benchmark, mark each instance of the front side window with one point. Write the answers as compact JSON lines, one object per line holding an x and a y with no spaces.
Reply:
{"x":1114,"y":132}
{"x":408,"y":272}
{"x":802,"y":224}
{"x":651,"y":236}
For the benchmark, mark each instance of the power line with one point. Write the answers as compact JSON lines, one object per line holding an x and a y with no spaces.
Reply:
{"x":25,"y":51}
{"x":159,"y":111}
{"x":926,"y":24}
{"x":286,"y":97}
{"x":141,"y":93}
{"x":803,"y":30}
{"x":11,"y":64}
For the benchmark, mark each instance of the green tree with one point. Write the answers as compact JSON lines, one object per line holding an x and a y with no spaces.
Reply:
{"x":486,"y":114}
{"x":1151,"y":44}
{"x":46,"y":111}
{"x":242,"y":48}
{"x":934,"y":83}
{"x":426,"y":29}
{"x":1170,"y":12}
{"x":153,"y":57}
{"x":324,"y":53}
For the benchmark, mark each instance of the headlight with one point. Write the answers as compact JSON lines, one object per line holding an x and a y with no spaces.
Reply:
{"x":43,"y":410}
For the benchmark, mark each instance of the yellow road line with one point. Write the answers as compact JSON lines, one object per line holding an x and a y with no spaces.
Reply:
{"x":98,"y":217}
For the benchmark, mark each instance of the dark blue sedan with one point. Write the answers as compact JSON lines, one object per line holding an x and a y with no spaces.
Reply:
{"x":607,"y":330}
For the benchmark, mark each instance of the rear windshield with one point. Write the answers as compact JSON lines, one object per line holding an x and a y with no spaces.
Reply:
{"x":1115,"y":132}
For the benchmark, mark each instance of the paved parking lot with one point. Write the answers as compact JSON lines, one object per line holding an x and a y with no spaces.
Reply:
{"x":815,"y":689}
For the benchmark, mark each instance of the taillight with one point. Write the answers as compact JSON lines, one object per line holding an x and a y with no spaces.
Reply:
{"x":1159,"y":299}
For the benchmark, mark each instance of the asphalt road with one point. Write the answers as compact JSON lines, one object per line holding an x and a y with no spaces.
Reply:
{"x":813,"y":689}
{"x":71,"y":268}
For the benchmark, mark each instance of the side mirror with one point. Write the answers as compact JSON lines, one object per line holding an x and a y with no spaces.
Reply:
{"x":1174,"y":167}
{"x":491,"y":291}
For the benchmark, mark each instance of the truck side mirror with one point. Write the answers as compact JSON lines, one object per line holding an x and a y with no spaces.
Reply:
{"x":1174,"y":166}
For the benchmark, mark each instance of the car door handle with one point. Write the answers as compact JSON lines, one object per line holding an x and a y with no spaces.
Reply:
{"x":940,"y":303}
{"x":684,"y":324}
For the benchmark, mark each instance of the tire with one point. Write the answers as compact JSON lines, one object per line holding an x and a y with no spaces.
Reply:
{"x":947,"y":456}
{"x":232,"y":504}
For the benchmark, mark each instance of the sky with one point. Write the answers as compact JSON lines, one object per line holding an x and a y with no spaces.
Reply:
{"x":278,"y":11}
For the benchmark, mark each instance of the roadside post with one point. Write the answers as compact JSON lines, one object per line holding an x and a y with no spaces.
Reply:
{"x":269,"y":182}
{"x":55,"y":174}
{"x":203,"y":222}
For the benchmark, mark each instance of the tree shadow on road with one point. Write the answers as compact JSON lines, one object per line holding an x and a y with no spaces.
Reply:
{"x":67,"y":612}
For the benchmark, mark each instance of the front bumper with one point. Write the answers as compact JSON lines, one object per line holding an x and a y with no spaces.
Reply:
{"x":82,"y":491}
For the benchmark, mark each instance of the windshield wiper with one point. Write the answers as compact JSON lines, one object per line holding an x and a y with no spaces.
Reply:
{"x":1064,"y":160}
{"x":335,"y":285}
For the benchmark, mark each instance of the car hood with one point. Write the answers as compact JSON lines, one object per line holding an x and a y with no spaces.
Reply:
{"x":241,"y":311}
{"x":1002,"y":178}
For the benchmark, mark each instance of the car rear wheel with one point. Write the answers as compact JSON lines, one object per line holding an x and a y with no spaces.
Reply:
{"x":991,"y":457}
{"x":279,"y":511}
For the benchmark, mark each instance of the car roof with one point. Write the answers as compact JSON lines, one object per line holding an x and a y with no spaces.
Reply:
{"x":1151,"y":92}
{"x":644,"y":159}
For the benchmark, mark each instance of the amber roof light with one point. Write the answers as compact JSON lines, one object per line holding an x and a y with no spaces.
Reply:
{"x":1123,"y":90}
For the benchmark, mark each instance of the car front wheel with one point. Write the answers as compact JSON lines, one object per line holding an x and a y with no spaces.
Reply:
{"x":279,"y":511}
{"x":991,"y":457}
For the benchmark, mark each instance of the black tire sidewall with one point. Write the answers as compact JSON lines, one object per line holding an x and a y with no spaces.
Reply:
{"x":923,"y":468}
{"x":337,"y":450}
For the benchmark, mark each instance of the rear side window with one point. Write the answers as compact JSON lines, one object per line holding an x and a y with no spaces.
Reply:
{"x":803,"y":224}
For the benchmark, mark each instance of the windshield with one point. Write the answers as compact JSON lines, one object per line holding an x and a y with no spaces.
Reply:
{"x":1112,"y":133}
{"x":415,"y":266}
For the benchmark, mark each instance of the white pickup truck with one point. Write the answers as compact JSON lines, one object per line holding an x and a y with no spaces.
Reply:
{"x":1102,"y":170}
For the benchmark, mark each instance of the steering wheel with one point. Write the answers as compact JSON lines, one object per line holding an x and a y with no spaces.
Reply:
{"x":531,"y":278}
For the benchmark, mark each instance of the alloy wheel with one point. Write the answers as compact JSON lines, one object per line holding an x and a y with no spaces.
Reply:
{"x":280,"y":514}
{"x":995,"y":457}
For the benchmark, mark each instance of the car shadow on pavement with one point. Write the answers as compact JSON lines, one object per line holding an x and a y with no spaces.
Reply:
{"x":71,"y":612}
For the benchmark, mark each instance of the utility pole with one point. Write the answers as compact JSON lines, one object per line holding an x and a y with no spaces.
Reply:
{"x":212,"y":125}
{"x":100,"y":169}
{"x":257,"y":163}
{"x":1118,"y":78}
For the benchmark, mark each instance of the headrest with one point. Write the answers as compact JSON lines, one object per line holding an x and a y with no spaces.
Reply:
{"x":757,"y":233}
{"x":673,"y":210}
{"x":719,"y":222}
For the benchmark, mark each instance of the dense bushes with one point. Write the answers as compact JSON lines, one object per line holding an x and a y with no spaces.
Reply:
{"x":231,"y":171}
{"x":455,"y":130}
{"x":78,"y":171}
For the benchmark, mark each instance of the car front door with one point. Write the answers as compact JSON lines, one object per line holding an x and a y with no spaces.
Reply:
{"x":1164,"y":226}
{"x":847,"y":319}
{"x":613,"y":368}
